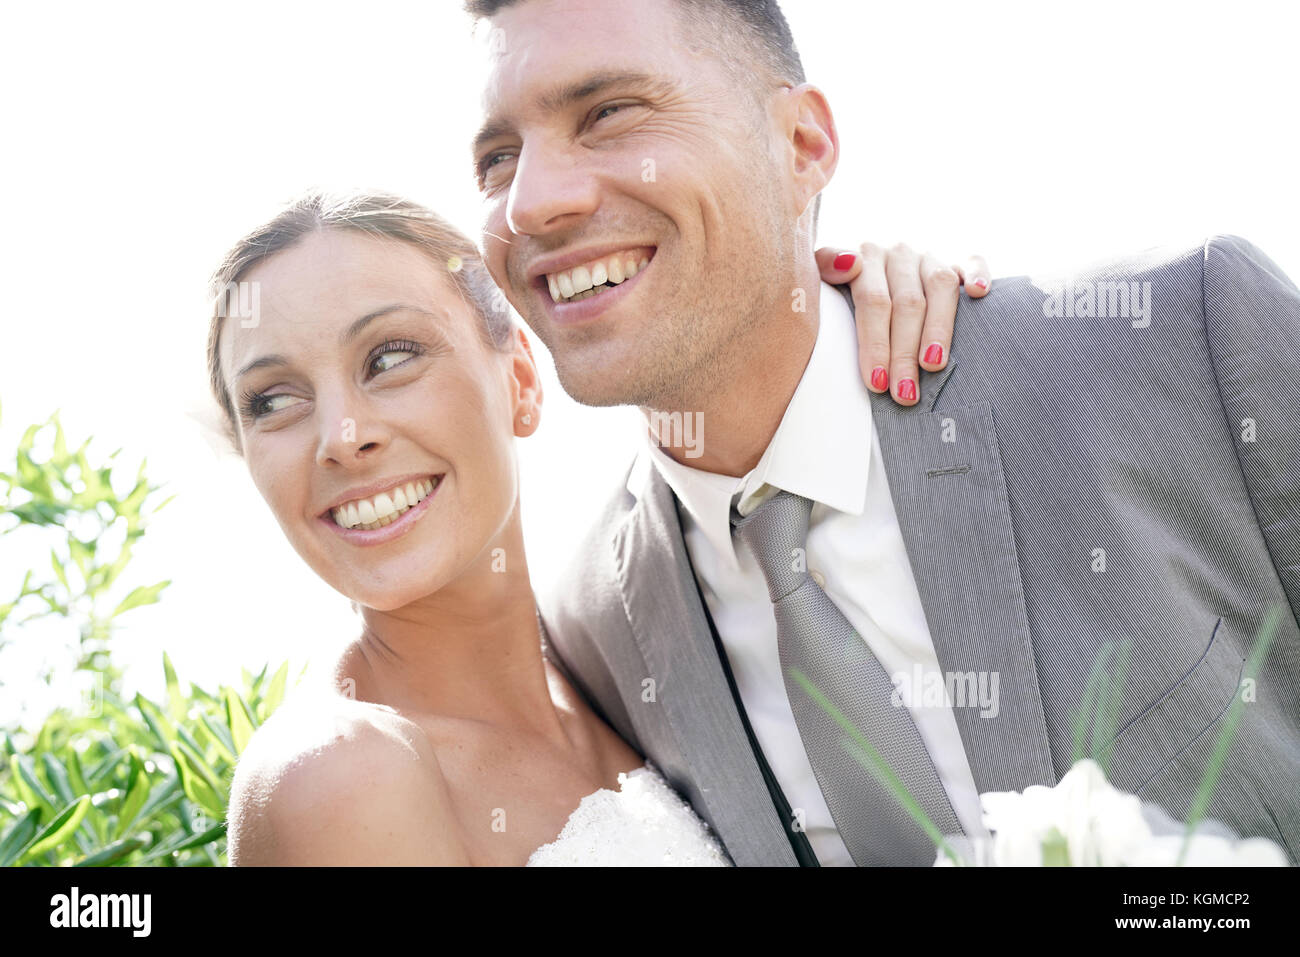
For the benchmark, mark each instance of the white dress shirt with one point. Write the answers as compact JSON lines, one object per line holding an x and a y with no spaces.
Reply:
{"x":855,"y":551}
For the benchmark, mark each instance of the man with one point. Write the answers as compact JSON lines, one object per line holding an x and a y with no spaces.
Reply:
{"x":1088,"y":465}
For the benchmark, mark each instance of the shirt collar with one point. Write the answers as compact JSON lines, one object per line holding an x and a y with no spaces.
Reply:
{"x":821,"y":450}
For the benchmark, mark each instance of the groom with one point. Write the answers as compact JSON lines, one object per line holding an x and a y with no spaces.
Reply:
{"x":1113,"y":458}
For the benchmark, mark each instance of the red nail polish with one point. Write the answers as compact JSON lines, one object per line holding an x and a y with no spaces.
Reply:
{"x":907,"y":390}
{"x":844,"y":261}
{"x":879,"y":378}
{"x":982,"y":283}
{"x":934,"y":354}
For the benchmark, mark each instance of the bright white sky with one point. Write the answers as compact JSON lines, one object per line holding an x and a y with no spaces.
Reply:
{"x":142,"y":138}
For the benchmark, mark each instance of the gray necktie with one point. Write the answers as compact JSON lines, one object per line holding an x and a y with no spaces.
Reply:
{"x":815,"y":637}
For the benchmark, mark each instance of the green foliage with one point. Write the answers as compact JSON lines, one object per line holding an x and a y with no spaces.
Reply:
{"x":131,"y":782}
{"x":93,"y":530}
{"x":113,"y":782}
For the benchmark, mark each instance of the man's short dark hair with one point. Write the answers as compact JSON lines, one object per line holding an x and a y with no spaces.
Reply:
{"x":762,"y":26}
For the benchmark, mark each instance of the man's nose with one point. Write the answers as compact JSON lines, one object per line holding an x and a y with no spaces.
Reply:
{"x":553,"y":189}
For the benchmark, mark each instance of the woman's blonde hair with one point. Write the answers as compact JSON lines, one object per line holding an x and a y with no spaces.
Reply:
{"x":373,"y":213}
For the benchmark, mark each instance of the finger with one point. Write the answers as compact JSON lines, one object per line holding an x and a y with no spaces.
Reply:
{"x":838,"y":266}
{"x":906,"y":317}
{"x":975,"y":276}
{"x":871,"y":307}
{"x":942,"y":289}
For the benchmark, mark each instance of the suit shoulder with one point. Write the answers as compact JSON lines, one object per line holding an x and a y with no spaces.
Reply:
{"x":1226,"y":255}
{"x":329,"y":781}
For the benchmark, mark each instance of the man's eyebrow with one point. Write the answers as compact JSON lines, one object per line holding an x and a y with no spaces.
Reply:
{"x":350,"y":333}
{"x":565,"y":95}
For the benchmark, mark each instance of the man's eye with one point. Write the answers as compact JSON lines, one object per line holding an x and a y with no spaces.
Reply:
{"x":602,"y":112}
{"x":490,"y":164}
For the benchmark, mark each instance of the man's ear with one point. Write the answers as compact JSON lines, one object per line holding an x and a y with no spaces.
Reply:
{"x":528,"y":386}
{"x":813,"y":142}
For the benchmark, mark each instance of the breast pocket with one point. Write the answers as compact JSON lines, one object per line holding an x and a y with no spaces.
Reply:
{"x":1167,"y":727}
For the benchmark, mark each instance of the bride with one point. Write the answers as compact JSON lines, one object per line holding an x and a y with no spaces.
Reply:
{"x":375,"y":397}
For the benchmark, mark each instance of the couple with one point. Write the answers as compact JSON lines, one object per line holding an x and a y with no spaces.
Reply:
{"x":1064,"y":478}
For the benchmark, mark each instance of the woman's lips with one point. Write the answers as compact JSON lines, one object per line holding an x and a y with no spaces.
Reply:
{"x":386,"y":533}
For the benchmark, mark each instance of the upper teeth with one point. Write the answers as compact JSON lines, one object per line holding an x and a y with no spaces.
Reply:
{"x":587,"y":279}
{"x":384,"y":508}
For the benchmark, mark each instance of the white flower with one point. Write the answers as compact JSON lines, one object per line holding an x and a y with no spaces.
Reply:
{"x":1083,"y":821}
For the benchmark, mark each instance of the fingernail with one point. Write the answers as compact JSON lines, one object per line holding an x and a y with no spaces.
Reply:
{"x":982,"y":283}
{"x":844,"y":261}
{"x":907,"y":390}
{"x":934,"y":354}
{"x":879,"y":379}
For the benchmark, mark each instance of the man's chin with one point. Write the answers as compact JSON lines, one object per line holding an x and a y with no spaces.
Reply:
{"x":601,"y":381}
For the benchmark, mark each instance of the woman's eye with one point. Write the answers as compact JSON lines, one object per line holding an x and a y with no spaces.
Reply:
{"x":266,"y":404}
{"x":391,"y":357}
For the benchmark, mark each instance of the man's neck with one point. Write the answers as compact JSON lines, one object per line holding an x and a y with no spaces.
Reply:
{"x":744,"y":397}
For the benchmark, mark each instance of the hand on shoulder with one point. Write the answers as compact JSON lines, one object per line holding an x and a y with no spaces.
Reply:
{"x":328,"y":783}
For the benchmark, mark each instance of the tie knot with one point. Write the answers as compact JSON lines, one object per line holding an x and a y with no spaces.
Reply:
{"x":777,"y":533}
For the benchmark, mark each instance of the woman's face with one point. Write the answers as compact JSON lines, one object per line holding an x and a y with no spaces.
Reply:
{"x":366,"y":397}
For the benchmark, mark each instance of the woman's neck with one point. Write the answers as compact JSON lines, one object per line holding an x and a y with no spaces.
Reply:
{"x":471,"y":650}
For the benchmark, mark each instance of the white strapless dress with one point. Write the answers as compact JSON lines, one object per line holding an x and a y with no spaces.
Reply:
{"x":645,"y":823}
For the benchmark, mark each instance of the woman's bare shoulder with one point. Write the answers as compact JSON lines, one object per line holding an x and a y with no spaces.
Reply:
{"x":332,"y":781}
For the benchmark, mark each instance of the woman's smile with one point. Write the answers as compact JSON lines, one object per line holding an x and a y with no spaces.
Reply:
{"x":384,"y":516}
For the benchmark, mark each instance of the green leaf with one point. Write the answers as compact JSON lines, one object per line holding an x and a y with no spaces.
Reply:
{"x":274,"y":692}
{"x":144,"y":595}
{"x":175,"y":700}
{"x":18,"y":836}
{"x":1110,"y":705}
{"x":29,"y":786}
{"x":1056,"y":849}
{"x":137,"y":792}
{"x":239,"y":720}
{"x":1263,"y":639}
{"x":163,"y":796}
{"x":162,"y":730}
{"x":198,"y":787}
{"x":112,"y":853}
{"x":862,"y":751}
{"x":81,"y":553}
{"x":221,"y":737}
{"x":57,"y":564}
{"x":214,"y":833}
{"x":58,"y":776}
{"x":74,"y":772}
{"x":60,"y":829}
{"x":1086,"y":714}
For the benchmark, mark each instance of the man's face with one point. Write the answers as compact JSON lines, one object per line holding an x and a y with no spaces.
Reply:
{"x":617,"y":146}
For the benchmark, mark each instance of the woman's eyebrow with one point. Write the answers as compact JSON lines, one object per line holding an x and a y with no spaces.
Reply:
{"x":350,"y":333}
{"x":357,"y":327}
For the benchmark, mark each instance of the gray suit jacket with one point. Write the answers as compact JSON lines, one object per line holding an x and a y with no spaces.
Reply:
{"x":1068,"y":435}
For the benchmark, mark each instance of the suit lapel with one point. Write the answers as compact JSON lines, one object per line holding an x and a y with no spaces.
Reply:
{"x":949,"y":492}
{"x":668,"y":622}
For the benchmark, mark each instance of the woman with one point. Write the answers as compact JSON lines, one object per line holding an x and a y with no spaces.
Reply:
{"x":376,"y":397}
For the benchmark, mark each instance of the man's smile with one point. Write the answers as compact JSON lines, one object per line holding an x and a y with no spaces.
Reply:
{"x":579,"y":285}
{"x":594,"y":276}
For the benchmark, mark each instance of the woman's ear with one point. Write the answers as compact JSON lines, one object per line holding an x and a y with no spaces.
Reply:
{"x":528,"y":386}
